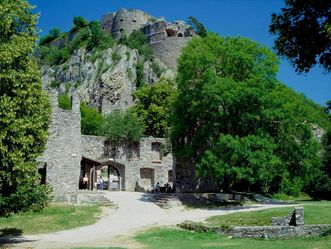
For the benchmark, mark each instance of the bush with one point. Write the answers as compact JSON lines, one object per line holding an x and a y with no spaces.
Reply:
{"x":140,"y":74}
{"x":122,"y":127}
{"x":64,"y":102}
{"x":98,"y":39}
{"x":79,"y":22}
{"x":55,"y":84}
{"x":92,"y":120}
{"x":116,"y":57}
{"x":138,"y":40}
{"x":52,"y":35}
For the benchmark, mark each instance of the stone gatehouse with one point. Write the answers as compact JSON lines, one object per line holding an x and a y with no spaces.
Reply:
{"x":69,"y":156}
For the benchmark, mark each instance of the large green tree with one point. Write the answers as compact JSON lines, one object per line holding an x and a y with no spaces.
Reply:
{"x":303,"y":30}
{"x":237,"y":123}
{"x":153,"y":106}
{"x":24,"y":110}
{"x":122,"y":128}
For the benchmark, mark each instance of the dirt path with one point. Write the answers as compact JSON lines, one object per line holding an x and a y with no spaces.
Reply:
{"x":135,"y":212}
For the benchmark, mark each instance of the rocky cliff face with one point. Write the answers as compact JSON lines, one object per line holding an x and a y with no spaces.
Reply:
{"x":105,"y":80}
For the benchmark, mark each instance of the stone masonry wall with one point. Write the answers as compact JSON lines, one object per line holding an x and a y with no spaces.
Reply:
{"x":93,"y":147}
{"x":275,"y":232}
{"x":63,"y":150}
{"x":169,"y":50}
{"x":290,"y":226}
{"x":66,"y":147}
{"x":149,"y":159}
{"x":124,"y":22}
{"x":130,"y":160}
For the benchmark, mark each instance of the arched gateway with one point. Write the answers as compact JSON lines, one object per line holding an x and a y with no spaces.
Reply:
{"x":111,"y":172}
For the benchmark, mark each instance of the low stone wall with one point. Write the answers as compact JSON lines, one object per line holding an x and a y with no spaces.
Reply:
{"x":275,"y":232}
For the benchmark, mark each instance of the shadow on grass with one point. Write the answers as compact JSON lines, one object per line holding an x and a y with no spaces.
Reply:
{"x":213,"y":205}
{"x":10,"y":236}
{"x":5,"y":232}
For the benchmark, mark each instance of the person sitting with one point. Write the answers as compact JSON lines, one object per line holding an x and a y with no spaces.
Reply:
{"x":157,"y":187}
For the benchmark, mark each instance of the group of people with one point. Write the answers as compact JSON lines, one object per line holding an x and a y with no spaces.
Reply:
{"x":165,"y":189}
{"x":86,"y":182}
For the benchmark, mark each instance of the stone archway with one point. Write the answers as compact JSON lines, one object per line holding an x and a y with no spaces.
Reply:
{"x":115,"y":180}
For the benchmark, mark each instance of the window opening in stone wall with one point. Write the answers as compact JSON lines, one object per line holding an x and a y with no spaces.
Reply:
{"x":42,"y":172}
{"x":170,"y":175}
{"x":134,"y":21}
{"x":156,"y":149}
{"x":121,"y":30}
{"x":171,"y":32}
{"x":180,"y":34}
{"x":147,"y":177}
{"x":121,"y":20}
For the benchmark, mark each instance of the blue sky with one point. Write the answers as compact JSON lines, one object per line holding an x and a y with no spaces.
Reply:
{"x":246,"y":18}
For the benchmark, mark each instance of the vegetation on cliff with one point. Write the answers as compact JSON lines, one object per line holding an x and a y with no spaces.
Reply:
{"x":238,"y":124}
{"x":24,"y":111}
{"x":57,"y":47}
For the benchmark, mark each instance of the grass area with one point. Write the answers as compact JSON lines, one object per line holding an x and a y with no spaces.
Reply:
{"x":98,"y":248}
{"x":316,"y":212}
{"x":180,"y":239}
{"x":56,"y":217}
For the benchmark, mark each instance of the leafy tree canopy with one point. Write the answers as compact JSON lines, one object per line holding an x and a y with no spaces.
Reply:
{"x":24,"y":111}
{"x":198,"y":27}
{"x":80,"y":22}
{"x":122,"y":127}
{"x":84,"y":34}
{"x":92,"y":120}
{"x":237,"y":123}
{"x":304,"y":33}
{"x":52,"y":35}
{"x":154,"y":106}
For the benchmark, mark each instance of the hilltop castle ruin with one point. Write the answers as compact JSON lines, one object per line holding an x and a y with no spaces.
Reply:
{"x":167,"y":39}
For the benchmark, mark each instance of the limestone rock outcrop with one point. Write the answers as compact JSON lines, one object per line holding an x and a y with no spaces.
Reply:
{"x":105,"y":80}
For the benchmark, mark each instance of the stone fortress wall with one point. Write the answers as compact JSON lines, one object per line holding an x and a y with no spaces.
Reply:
{"x":62,"y":156}
{"x":124,"y":22}
{"x":140,"y":165}
{"x":144,"y":163}
{"x":167,"y":39}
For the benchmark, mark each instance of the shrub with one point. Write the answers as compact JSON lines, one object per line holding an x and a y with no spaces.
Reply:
{"x":52,"y":35}
{"x":79,"y":22}
{"x":55,"y":84}
{"x":98,"y":39}
{"x":116,"y":57}
{"x":122,"y":127}
{"x":140,"y":74}
{"x":156,"y":68}
{"x":64,"y":102}
{"x":138,"y":40}
{"x":92,"y":120}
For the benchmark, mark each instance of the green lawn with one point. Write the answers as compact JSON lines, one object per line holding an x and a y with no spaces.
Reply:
{"x":180,"y":239}
{"x":53,"y":218}
{"x":315,"y":213}
{"x":98,"y":248}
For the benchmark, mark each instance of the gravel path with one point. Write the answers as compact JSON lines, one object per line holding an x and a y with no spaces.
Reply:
{"x":135,"y":212}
